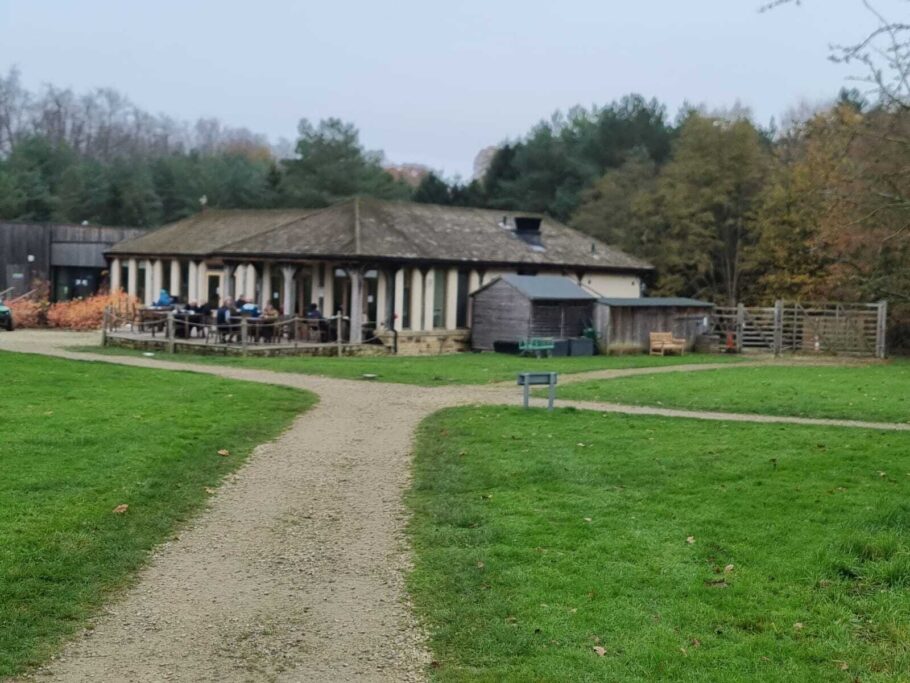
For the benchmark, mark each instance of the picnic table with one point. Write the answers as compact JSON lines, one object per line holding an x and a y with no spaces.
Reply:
{"x":537,"y":346}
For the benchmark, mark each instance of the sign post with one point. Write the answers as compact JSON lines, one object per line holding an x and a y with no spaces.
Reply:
{"x":529,"y":379}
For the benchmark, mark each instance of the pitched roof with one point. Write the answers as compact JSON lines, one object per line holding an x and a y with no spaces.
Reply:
{"x":656,"y":301}
{"x":367,"y":227}
{"x":543,"y":287}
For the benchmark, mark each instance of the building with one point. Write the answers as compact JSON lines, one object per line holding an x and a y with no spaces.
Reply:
{"x":69,"y":257}
{"x":516,"y":307}
{"x":625,"y":324}
{"x":395,"y":268}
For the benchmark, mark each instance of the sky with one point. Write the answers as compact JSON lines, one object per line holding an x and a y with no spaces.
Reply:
{"x":430,"y":82}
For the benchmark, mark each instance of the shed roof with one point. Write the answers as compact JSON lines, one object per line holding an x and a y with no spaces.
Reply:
{"x":366,"y":227}
{"x":543,"y":287}
{"x":656,"y":302}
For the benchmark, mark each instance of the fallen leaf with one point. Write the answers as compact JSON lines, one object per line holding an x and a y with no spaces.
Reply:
{"x":224,"y":452}
{"x":600,"y":650}
{"x":729,"y":568}
{"x":718,"y":583}
{"x":696,"y":643}
{"x":690,"y":539}
{"x":798,"y":626}
{"x":580,"y":445}
{"x":843,"y":666}
{"x":683,"y":650}
{"x":480,"y":564}
{"x":120,"y":509}
{"x":209,"y":490}
{"x":882,"y":474}
{"x":588,"y":519}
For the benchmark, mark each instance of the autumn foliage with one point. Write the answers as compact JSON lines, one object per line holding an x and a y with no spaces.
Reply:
{"x":87,"y":313}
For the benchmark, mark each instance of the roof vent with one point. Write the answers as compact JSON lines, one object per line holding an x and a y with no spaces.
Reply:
{"x":528,"y":229}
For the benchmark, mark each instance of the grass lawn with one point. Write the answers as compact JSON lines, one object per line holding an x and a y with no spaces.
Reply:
{"x":462,"y":368}
{"x":686,"y":551}
{"x":79,"y":439}
{"x":873,"y":392}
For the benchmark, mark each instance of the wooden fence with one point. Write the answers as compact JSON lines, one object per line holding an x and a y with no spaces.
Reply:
{"x":855,"y":329}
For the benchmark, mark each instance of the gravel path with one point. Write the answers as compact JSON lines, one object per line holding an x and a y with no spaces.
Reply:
{"x":295,"y":573}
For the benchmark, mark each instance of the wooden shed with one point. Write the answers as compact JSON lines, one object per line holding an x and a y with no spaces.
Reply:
{"x":516,"y":307}
{"x":625,"y":324}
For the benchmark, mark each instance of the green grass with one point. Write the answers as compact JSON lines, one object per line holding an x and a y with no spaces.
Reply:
{"x":464,"y":368}
{"x":873,"y":392}
{"x":541,"y":536}
{"x":78,"y":439}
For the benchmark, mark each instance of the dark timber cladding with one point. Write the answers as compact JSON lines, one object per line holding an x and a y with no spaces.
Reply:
{"x":516,"y":307}
{"x":626,"y":324}
{"x":70,"y":257}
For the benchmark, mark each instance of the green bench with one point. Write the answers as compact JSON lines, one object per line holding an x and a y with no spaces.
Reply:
{"x":537,"y":346}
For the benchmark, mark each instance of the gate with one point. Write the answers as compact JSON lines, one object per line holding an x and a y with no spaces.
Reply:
{"x":855,"y":329}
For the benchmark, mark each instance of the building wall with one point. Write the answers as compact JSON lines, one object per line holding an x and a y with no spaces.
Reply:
{"x":52,"y":251}
{"x":606,"y":284}
{"x":629,"y":328}
{"x":500,"y":313}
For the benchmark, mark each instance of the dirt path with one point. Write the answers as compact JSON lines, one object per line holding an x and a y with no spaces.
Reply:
{"x":295,"y":573}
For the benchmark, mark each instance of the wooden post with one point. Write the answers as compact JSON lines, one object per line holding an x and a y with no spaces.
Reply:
{"x":881,"y":330}
{"x":740,"y":326}
{"x":356,"y":275}
{"x":243,"y":335}
{"x":338,"y":332}
{"x":778,"y":327}
{"x":170,"y":331}
{"x":105,"y":323}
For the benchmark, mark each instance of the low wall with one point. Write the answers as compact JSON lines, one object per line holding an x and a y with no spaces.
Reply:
{"x":428,"y":343}
{"x":160,"y":345}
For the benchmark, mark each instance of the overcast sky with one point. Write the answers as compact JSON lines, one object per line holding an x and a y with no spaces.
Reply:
{"x":425,"y":81}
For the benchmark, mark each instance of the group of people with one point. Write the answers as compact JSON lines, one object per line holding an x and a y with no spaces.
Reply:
{"x":229,"y":314}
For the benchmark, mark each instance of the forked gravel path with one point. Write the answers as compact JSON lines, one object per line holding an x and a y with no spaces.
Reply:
{"x":296,"y":570}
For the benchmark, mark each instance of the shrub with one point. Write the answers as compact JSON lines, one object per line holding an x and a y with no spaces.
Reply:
{"x":28,"y":312}
{"x":88,"y":313}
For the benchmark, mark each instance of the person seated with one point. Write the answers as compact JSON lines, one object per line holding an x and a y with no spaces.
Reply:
{"x":223,"y":319}
{"x":270,"y":312}
{"x":270,"y":323}
{"x":250,"y":309}
{"x":164,"y":299}
{"x":313,"y":312}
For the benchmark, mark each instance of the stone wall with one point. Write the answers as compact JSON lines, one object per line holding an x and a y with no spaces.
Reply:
{"x":428,"y":343}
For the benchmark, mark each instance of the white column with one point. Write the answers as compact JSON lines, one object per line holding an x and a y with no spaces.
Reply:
{"x":202,"y":272}
{"x":398,"y":305}
{"x":473,"y":286}
{"x":382,"y":299}
{"x":265,"y":296}
{"x":429,"y":298}
{"x":315,"y":289}
{"x":115,"y":275}
{"x":157,"y":278}
{"x":228,"y":280}
{"x":132,"y":277}
{"x":451,"y":312}
{"x":287,"y":273}
{"x":175,"y":278}
{"x":147,"y":266}
{"x":328,"y":294}
{"x":416,"y":304}
{"x":249,"y":287}
{"x":356,"y":275}
{"x":192,"y":284}
{"x":239,"y":280}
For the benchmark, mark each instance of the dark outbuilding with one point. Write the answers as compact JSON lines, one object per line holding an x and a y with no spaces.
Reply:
{"x":512,"y":308}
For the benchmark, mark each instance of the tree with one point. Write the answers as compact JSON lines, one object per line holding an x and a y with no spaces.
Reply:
{"x":331,"y":165}
{"x":432,"y":190}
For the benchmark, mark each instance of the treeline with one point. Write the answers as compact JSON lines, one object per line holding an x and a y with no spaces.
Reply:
{"x":725,"y":209}
{"x":96,"y":157}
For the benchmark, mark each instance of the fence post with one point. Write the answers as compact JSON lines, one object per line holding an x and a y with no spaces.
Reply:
{"x":338,"y":332}
{"x":243,"y":333}
{"x":778,"y":327}
{"x":170,"y":331}
{"x":740,"y":325}
{"x":105,"y":323}
{"x":881,"y":330}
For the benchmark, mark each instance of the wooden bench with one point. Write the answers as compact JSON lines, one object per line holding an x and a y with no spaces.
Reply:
{"x":662,"y":342}
{"x":536,"y":345}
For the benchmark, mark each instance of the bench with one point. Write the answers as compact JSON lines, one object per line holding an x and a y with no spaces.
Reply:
{"x":536,"y":345}
{"x":662,"y":342}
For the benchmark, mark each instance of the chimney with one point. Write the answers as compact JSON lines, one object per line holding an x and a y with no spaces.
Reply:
{"x":527,"y":228}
